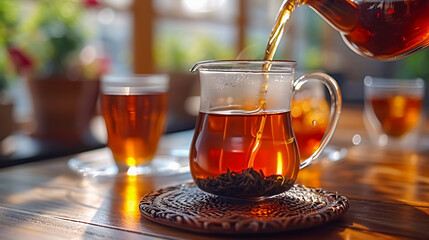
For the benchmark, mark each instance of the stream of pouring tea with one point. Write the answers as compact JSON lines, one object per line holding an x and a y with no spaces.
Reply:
{"x":276,"y":33}
{"x":273,"y":41}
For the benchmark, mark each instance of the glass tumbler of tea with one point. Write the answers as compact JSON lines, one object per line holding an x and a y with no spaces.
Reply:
{"x":244,"y":145}
{"x":393,"y":111}
{"x":134,"y":109}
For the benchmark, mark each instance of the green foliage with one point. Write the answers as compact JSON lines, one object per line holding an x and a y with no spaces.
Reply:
{"x":415,"y":66}
{"x":9,"y":18}
{"x":53,"y":34}
{"x":176,"y":52}
{"x":9,"y":15}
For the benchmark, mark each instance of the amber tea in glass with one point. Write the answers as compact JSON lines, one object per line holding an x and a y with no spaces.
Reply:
{"x":244,"y":146}
{"x":134,"y":109}
{"x":393,"y":110}
{"x":397,"y":114}
{"x":228,"y":143}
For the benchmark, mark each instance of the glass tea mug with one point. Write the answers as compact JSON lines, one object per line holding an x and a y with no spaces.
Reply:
{"x":244,"y":145}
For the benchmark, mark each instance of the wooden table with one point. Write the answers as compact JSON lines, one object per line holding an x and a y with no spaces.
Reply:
{"x":388,"y":192}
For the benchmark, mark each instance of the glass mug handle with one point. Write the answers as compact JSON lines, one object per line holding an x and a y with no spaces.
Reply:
{"x":335,"y":94}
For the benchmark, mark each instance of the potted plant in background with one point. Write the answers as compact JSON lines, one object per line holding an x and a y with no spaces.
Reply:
{"x":62,"y":73}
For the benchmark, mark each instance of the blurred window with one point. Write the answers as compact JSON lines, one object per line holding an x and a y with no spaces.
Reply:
{"x":188,"y":31}
{"x":112,"y":20}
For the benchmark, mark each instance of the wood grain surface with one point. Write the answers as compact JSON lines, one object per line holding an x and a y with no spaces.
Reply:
{"x":388,"y":192}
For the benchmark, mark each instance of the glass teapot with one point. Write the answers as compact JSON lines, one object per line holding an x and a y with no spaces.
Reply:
{"x":378,"y":29}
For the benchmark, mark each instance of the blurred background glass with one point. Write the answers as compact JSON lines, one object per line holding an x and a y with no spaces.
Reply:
{"x":393,"y":113}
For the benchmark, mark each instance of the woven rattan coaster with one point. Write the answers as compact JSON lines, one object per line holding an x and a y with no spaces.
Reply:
{"x":187,"y":207}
